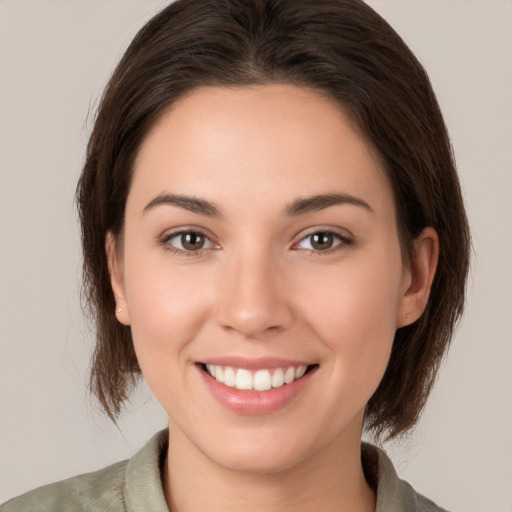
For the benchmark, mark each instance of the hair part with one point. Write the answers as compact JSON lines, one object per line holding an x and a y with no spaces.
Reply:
{"x":341,"y":49}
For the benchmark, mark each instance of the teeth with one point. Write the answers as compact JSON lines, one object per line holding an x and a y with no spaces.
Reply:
{"x":278,"y":378}
{"x":261,"y":380}
{"x":300,"y":371}
{"x":243,"y":379}
{"x":229,"y":377}
{"x":289,"y":375}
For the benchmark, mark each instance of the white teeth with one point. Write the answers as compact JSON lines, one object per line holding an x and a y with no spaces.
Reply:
{"x":261,"y":380}
{"x":229,"y":377}
{"x":243,"y":379}
{"x":300,"y":371}
{"x":219,"y":373}
{"x":289,"y":376}
{"x":278,"y":378}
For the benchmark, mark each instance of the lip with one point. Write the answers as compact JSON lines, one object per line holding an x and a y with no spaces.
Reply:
{"x":254,"y":403}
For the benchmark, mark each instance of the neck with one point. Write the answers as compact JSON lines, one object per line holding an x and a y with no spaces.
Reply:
{"x":331,"y":480}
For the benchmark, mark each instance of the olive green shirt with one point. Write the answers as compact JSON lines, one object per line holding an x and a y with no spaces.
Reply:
{"x":135,"y":485}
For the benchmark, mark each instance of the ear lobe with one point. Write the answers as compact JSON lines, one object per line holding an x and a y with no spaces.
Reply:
{"x":115,"y":270}
{"x":422,"y":272}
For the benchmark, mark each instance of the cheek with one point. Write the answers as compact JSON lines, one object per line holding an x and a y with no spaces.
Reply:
{"x":353,"y":310}
{"x":167,"y":309}
{"x":359,"y":296}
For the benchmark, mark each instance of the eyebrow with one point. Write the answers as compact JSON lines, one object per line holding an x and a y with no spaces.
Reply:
{"x":322,"y":201}
{"x":298,"y":207}
{"x":193,"y":204}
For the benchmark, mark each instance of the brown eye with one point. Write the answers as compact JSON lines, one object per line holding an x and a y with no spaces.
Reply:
{"x":188,"y":241}
{"x":192,"y":241}
{"x":322,"y":241}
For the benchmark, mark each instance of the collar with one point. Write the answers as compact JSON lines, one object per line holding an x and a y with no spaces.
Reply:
{"x":143,"y":485}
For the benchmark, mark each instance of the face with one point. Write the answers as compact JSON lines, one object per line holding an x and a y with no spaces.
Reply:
{"x":261,"y":274}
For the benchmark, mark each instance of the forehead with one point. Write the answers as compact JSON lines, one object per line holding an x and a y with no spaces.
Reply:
{"x":268,"y":141}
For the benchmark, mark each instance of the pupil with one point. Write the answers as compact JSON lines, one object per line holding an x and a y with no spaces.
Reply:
{"x":192,"y":241}
{"x":322,"y":241}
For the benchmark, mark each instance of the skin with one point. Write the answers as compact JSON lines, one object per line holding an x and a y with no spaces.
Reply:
{"x":258,"y":288}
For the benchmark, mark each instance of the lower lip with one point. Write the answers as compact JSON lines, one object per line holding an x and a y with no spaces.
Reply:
{"x":255,"y":402}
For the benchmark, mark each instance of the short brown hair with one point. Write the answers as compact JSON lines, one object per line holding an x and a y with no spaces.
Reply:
{"x":341,"y":49}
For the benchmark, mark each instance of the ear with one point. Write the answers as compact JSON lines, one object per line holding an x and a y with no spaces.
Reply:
{"x":115,"y":270}
{"x":420,"y":276}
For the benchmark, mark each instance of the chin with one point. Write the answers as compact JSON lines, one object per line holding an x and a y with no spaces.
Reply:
{"x":258,"y":459}
{"x":266,"y":449}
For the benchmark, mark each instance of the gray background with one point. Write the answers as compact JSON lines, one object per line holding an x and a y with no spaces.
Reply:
{"x":55,"y":57}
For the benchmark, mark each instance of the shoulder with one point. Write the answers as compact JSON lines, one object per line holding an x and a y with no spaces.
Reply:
{"x":132,"y":485}
{"x":100,"y":490}
{"x":393,"y":494}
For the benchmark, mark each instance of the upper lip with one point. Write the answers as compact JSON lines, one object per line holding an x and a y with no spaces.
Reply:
{"x":254,"y":363}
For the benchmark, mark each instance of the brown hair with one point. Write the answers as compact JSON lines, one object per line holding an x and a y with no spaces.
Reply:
{"x":343,"y":50}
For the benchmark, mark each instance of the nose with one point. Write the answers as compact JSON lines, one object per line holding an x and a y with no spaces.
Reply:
{"x":253,"y":297}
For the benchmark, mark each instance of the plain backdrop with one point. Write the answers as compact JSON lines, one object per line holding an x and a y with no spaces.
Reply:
{"x":55,"y":57}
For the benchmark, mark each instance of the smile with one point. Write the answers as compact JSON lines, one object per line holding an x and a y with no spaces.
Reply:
{"x":255,"y":387}
{"x":260,"y":380}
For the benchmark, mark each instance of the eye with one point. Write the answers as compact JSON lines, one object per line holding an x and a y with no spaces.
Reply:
{"x":188,"y":241}
{"x":322,"y":241}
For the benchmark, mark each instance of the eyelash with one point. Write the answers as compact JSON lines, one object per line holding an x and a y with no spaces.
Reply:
{"x":164,"y":242}
{"x":343,"y":242}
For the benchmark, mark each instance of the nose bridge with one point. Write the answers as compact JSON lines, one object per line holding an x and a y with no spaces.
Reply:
{"x":252,"y":298}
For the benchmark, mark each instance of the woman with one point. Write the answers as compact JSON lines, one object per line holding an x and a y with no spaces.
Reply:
{"x":274,"y":236}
